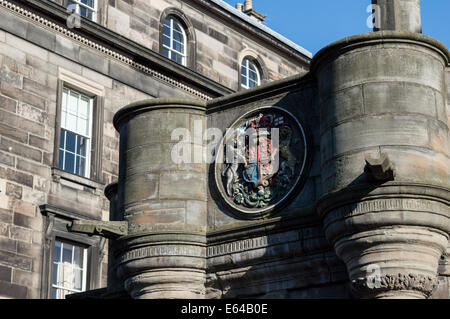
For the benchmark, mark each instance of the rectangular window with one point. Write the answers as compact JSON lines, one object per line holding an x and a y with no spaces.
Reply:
{"x":69,"y":270}
{"x":85,"y":8}
{"x":76,"y":133}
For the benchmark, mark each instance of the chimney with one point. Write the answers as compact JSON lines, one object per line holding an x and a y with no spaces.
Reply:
{"x":248,"y":10}
{"x":397,"y":15}
{"x":239,"y":6}
{"x":248,"y":5}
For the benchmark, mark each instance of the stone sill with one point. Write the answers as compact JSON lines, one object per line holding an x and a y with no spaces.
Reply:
{"x":57,"y":174}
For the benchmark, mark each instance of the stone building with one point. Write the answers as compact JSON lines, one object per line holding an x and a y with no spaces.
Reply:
{"x":331,"y":181}
{"x":112,"y":53}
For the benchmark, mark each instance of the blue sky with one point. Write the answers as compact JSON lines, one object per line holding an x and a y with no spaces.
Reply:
{"x":315,"y":23}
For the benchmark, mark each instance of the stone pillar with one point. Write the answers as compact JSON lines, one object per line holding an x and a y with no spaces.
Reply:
{"x":382,"y":95}
{"x":164,"y":202}
{"x":398,"y":15}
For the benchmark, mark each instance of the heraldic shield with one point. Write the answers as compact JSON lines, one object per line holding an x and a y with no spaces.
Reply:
{"x":261,"y":161}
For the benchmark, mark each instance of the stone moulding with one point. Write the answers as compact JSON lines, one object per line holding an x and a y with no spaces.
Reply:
{"x":47,"y":24}
{"x":388,"y":283}
{"x":390,"y":190}
{"x":338,"y":48}
{"x":131,"y":110}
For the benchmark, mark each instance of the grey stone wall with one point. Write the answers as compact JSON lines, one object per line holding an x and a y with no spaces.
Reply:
{"x":220,"y":45}
{"x":28,"y":93}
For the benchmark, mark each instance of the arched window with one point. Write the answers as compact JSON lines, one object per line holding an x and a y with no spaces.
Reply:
{"x":250,"y":74}
{"x":174,"y":40}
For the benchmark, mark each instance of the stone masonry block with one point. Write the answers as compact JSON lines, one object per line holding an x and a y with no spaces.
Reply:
{"x":12,"y":260}
{"x":13,"y":133}
{"x":399,"y":98}
{"x":343,"y":106}
{"x":196,"y":213}
{"x":26,"y":46}
{"x":368,"y":132}
{"x":20,"y":149}
{"x":22,"y":207}
{"x":13,"y":190}
{"x":20,"y":233}
{"x":178,"y":185}
{"x":94,"y":60}
{"x":8,"y":104}
{"x":23,"y":96}
{"x":67,"y":48}
{"x":5,"y":274}
{"x":13,"y":291}
{"x":141,"y":187}
{"x":34,"y":168}
{"x":26,"y":279}
{"x":12,"y":78}
{"x":28,"y":222}
{"x":41,"y":37}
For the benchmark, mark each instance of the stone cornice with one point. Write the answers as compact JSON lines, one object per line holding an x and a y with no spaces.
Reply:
{"x":395,"y":189}
{"x":374,"y":38}
{"x":133,"y":109}
{"x":261,"y":92}
{"x":52,"y":16}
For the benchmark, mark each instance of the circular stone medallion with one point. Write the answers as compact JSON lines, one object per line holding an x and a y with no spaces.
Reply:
{"x":261,"y":161}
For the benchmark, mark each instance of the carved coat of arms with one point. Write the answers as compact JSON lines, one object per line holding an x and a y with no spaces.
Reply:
{"x":263,"y":157}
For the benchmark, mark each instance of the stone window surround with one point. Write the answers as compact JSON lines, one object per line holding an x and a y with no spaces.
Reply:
{"x":54,"y":221}
{"x":191,"y":50}
{"x":254,"y":57}
{"x":97,"y":92}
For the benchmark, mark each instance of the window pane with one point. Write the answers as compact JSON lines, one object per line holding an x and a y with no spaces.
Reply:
{"x":64,"y":99}
{"x":244,"y":80}
{"x":177,"y":46}
{"x":62,"y":137}
{"x":56,"y":268}
{"x":165,"y":52}
{"x":73,"y":103}
{"x":78,"y":256}
{"x":70,"y":142}
{"x":67,"y":253}
{"x":69,"y":163}
{"x":78,"y":279}
{"x":177,"y":27}
{"x":61,"y":159}
{"x":166,"y":40}
{"x":71,"y":122}
{"x":178,"y":36}
{"x":84,"y":12}
{"x":80,"y":166}
{"x":57,"y":252}
{"x":81,"y":145}
{"x":82,"y":127}
{"x":83,"y":109}
{"x":54,"y":293}
{"x":88,"y":3}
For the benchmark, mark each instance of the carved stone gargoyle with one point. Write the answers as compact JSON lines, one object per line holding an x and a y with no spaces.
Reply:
{"x":379,"y":169}
{"x":107,"y":229}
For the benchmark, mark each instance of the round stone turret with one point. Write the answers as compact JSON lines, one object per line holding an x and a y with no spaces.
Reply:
{"x":385,"y":160}
{"x":163,"y":199}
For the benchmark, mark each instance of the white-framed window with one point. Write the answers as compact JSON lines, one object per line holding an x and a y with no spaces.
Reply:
{"x":85,"y":8}
{"x":76,"y":133}
{"x":250,"y":75}
{"x":174,"y":40}
{"x":69,"y":272}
